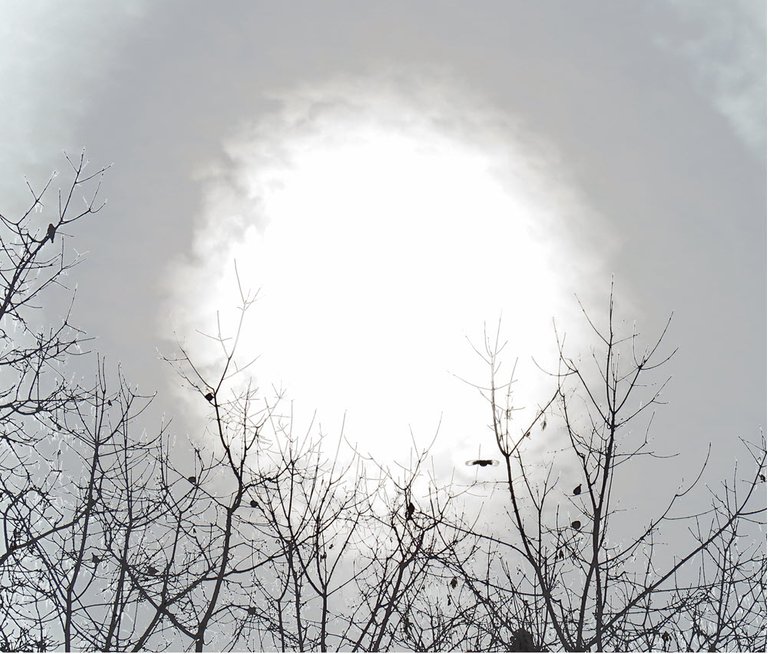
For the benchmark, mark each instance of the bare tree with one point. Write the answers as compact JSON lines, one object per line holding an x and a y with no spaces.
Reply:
{"x":583,"y":583}
{"x":34,"y":388}
{"x":258,"y":534}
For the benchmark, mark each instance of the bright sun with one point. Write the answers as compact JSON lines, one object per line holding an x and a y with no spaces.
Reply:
{"x":380,"y":248}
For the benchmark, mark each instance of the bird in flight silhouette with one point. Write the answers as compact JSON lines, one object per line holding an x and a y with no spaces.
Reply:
{"x":482,"y":462}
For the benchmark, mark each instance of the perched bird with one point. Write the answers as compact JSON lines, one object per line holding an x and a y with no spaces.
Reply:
{"x":192,"y":479}
{"x":482,"y":462}
{"x":576,"y":524}
{"x":51,"y":232}
{"x":409,"y":511}
{"x":577,"y":490}
{"x":454,"y":582}
{"x":254,"y":503}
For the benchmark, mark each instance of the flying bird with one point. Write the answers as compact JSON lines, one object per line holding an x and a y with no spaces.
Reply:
{"x":51,"y":232}
{"x":482,"y":462}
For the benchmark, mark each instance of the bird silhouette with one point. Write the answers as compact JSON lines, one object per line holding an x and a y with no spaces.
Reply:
{"x":576,"y":524}
{"x":192,"y":479}
{"x":409,"y":511}
{"x":51,"y":232}
{"x":254,"y":503}
{"x":577,"y":490}
{"x":482,"y":462}
{"x":454,"y":582}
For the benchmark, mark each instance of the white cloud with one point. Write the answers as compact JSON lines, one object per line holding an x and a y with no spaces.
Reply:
{"x":384,"y":221}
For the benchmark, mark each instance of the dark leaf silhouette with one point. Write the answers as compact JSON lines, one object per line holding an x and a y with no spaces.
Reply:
{"x":576,"y":524}
{"x":522,"y":641}
{"x":577,"y":490}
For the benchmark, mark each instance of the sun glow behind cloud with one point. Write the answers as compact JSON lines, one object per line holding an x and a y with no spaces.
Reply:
{"x":382,"y":236}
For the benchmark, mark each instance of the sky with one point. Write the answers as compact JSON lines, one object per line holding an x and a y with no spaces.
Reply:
{"x":391,"y":177}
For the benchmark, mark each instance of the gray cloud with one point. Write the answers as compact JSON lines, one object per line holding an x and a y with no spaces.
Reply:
{"x":725,"y":42}
{"x":52,"y":61}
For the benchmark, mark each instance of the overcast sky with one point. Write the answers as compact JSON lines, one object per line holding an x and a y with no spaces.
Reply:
{"x":391,"y":175}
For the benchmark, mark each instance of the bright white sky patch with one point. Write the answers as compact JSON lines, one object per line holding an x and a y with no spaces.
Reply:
{"x":381,"y":240}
